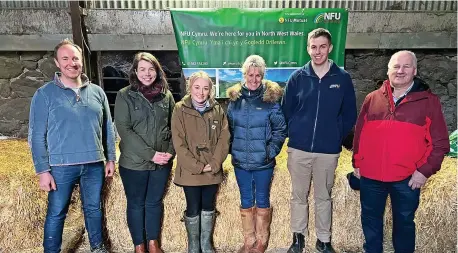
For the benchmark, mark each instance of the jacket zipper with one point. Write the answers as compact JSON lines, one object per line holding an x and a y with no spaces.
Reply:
{"x":78,"y":97}
{"x":209,"y":130}
{"x":316,"y":115}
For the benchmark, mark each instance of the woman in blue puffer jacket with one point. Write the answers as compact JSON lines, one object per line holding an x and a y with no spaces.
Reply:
{"x":258,"y":131}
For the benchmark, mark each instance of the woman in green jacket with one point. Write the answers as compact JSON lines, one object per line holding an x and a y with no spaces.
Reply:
{"x":143,"y":113}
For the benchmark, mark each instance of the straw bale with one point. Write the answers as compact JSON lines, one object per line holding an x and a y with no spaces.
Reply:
{"x":23,"y":208}
{"x":23,"y":205}
{"x":347,"y":232}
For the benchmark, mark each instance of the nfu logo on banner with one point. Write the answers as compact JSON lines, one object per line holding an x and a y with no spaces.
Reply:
{"x":328,"y":17}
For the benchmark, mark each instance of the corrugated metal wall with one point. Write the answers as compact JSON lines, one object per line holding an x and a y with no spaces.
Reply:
{"x":414,"y":5}
{"x":33,"y":4}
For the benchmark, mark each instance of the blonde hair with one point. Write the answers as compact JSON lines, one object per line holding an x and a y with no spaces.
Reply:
{"x":254,"y":61}
{"x":200,"y":74}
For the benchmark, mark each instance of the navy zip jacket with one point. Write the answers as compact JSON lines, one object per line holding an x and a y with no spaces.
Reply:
{"x":257,"y":125}
{"x":319,"y":112}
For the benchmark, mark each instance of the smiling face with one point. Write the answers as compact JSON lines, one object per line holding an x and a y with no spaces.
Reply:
{"x":70,"y":63}
{"x":401,"y":70}
{"x":253,"y":78}
{"x":200,"y":90}
{"x":146,"y":73}
{"x":319,"y":48}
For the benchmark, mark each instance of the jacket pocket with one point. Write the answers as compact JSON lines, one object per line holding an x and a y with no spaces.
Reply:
{"x":139,"y":118}
{"x":214,"y":129}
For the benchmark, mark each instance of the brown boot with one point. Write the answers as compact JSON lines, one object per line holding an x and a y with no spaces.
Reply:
{"x":140,"y":248}
{"x":153,"y":247}
{"x":263,"y":220}
{"x":249,"y":229}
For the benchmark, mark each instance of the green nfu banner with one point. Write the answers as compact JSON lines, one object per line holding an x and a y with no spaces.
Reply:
{"x":218,"y":41}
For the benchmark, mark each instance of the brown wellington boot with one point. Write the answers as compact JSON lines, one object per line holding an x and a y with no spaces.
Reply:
{"x":153,"y":247}
{"x":263,"y":220}
{"x":249,"y":229}
{"x":140,"y":248}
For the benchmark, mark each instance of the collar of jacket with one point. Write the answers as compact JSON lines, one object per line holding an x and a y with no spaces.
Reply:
{"x":84,"y":80}
{"x":253,"y":93}
{"x":272,"y":92}
{"x":420,"y":90}
{"x":134,"y":89}
{"x":135,"y":93}
{"x":187,"y":102}
{"x":308,"y":69}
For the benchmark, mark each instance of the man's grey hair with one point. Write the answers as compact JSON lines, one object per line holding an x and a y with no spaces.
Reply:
{"x":412,"y":54}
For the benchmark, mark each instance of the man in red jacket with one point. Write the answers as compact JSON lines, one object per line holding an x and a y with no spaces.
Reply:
{"x":400,"y":141}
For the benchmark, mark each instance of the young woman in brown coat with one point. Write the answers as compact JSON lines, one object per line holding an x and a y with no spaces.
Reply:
{"x":200,"y":136}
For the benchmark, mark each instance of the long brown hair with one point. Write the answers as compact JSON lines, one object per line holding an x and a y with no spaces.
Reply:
{"x":160,"y":75}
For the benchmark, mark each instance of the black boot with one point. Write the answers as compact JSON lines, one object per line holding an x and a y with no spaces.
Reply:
{"x":298,"y":243}
{"x":325,"y":247}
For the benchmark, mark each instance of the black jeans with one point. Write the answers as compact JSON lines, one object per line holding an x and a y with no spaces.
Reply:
{"x":404,"y":203}
{"x":144,"y":192}
{"x":200,"y":198}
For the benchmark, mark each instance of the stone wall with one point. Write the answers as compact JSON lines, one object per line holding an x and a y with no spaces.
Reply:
{"x":437,"y":67}
{"x":22,"y":73}
{"x":20,"y":76}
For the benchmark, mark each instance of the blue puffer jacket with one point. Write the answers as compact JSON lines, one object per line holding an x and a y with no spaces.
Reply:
{"x":257,"y":125}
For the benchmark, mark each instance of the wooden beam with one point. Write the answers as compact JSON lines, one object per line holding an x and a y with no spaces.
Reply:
{"x":77,"y":30}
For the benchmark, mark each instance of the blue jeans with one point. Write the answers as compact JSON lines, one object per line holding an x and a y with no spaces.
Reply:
{"x":404,"y":203}
{"x":145,"y":192}
{"x":254,"y":186}
{"x":90,"y":178}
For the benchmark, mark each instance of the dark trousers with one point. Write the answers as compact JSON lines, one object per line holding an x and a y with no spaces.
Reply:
{"x":404,"y":203}
{"x":144,"y":192}
{"x":200,"y":198}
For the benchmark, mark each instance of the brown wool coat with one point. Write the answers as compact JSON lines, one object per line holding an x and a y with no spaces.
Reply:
{"x":199,"y":140}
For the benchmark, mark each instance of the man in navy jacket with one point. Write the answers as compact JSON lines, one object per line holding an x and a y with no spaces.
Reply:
{"x":319,"y":105}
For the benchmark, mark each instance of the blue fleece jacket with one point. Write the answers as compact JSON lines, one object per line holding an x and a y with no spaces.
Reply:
{"x":66,"y":128}
{"x":319,"y":112}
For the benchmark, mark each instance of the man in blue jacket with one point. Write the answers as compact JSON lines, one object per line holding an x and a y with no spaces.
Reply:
{"x":70,"y":136}
{"x":319,"y":105}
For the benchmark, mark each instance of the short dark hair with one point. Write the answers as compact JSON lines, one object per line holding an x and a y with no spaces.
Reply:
{"x":66,"y":42}
{"x":160,"y":75}
{"x":319,"y":32}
